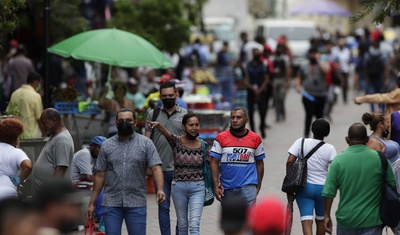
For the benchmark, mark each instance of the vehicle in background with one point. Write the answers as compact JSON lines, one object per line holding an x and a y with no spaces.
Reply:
{"x":297,"y":32}
{"x":222,"y":29}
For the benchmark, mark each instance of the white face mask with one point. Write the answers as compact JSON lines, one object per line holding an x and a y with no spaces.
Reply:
{"x":38,"y":88}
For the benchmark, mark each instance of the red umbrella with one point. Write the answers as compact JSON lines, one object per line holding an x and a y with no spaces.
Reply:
{"x":289,"y":215}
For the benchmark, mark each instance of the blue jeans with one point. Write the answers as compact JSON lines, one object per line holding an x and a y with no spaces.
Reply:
{"x":377,"y":230}
{"x":247,"y":192}
{"x":163,"y":208}
{"x":135,"y":220}
{"x":188,"y":197}
{"x":375,"y":87}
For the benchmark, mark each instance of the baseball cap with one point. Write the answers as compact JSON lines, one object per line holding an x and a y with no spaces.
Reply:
{"x":98,"y":140}
{"x":233,"y":214}
{"x":165,"y":78}
{"x":267,"y":215}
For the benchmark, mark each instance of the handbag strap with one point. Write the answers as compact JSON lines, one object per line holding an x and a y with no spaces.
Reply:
{"x":302,"y":147}
{"x":203,"y":147}
{"x":314,"y":149}
{"x":89,"y":226}
{"x":384,"y":164}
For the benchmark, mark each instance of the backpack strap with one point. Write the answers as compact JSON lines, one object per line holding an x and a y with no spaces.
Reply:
{"x":384,"y":164}
{"x":314,"y":149}
{"x":203,"y":147}
{"x":302,"y":147}
{"x":156,"y":112}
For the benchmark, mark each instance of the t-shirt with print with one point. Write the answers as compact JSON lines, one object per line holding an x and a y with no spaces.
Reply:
{"x":317,"y":164}
{"x":238,"y":157}
{"x":188,"y":161}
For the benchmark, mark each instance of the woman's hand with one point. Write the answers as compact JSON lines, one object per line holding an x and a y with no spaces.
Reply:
{"x":153,"y":124}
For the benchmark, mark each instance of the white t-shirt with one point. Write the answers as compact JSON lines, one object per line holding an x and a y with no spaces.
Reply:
{"x":10,"y":164}
{"x":317,"y":164}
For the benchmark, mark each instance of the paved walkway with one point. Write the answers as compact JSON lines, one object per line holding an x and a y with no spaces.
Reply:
{"x":279,"y":138}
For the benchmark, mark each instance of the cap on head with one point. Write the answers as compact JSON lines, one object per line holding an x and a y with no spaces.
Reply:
{"x":98,"y":140}
{"x":233,"y":214}
{"x":165,"y":78}
{"x":267,"y":215}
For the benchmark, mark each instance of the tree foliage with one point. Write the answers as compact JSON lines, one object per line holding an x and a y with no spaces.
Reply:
{"x":160,"y":22}
{"x":380,"y":9}
{"x":65,"y":18}
{"x":8,"y":15}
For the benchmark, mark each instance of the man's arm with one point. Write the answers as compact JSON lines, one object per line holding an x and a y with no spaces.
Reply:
{"x":327,"y":214}
{"x":159,"y":179}
{"x":260,"y":173}
{"x":88,"y":177}
{"x":59,"y":171}
{"x":26,"y":168}
{"x":97,"y":187}
{"x":385,"y":98}
{"x":218,"y":189}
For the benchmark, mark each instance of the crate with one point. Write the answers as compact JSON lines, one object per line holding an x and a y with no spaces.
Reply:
{"x":88,"y":108}
{"x":66,"y":107}
{"x":77,"y":108}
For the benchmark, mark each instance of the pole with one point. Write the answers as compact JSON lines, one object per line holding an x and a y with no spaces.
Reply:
{"x":46,"y":13}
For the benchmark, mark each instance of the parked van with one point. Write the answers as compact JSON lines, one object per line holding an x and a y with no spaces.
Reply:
{"x":297,"y":32}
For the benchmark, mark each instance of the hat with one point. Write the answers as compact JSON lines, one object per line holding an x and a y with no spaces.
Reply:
{"x":233,"y":214}
{"x":267,"y":215}
{"x":98,"y":140}
{"x":165,"y":78}
{"x":13,"y":43}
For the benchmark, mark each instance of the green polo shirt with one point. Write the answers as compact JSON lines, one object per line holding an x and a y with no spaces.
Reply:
{"x":357,"y":173}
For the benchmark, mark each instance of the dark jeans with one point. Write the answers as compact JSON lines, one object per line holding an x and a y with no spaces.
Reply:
{"x":313,"y":108}
{"x":262,"y":105}
{"x":163,"y":208}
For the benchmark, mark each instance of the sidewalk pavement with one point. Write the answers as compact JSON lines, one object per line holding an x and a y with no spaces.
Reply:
{"x":280,"y":137}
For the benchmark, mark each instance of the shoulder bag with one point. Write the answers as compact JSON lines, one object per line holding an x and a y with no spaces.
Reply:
{"x":209,"y":189}
{"x":296,"y":177}
{"x":390,"y":203}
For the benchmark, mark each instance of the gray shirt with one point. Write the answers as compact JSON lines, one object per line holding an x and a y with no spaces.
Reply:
{"x":173,"y":123}
{"x":58,"y":151}
{"x":314,"y":80}
{"x":82,"y":164}
{"x":125,"y":164}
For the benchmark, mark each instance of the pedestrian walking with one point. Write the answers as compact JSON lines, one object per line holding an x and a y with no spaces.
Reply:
{"x":237,"y":163}
{"x":121,"y":170}
{"x":55,"y":159}
{"x":187,"y":188}
{"x":360,"y":186}
{"x":376,"y":72}
{"x":310,"y":198}
{"x":281,"y":80}
{"x":311,"y":82}
{"x":169,"y":116}
{"x":258,"y":78}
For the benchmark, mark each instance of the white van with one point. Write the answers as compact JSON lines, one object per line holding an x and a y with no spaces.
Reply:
{"x":297,"y":32}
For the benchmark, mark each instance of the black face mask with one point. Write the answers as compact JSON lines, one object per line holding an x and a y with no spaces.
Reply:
{"x":125,"y":128}
{"x":313,"y":61}
{"x":257,"y":57}
{"x":385,"y":134}
{"x":168,"y":102}
{"x":237,"y":130}
{"x":191,"y":137}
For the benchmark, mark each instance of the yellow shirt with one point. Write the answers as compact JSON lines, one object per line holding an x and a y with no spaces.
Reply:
{"x":29,"y":104}
{"x":154,"y":95}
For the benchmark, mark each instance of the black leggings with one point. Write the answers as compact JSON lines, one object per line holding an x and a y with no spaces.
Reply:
{"x":313,"y":108}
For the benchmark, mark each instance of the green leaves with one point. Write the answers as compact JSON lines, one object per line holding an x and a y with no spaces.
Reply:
{"x":379,"y":9}
{"x":8,"y":15}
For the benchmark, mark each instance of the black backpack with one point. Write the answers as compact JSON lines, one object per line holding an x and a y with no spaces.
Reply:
{"x":374,"y":66}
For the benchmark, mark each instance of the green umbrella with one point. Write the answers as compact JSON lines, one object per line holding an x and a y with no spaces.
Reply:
{"x":112,"y":47}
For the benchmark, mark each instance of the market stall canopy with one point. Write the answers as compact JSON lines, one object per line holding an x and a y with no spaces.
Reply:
{"x":319,"y":7}
{"x":112,"y":47}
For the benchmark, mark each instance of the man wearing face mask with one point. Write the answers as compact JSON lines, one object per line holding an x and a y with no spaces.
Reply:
{"x":237,"y":165}
{"x":170,"y":116}
{"x":258,"y":79}
{"x":121,"y":170}
{"x":311,"y":81}
{"x":28,"y":102}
